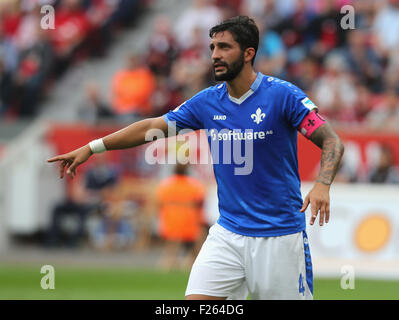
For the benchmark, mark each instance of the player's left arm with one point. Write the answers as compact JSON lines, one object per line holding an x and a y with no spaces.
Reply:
{"x":324,"y":136}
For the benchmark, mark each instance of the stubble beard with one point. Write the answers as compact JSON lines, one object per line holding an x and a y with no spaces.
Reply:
{"x":232,"y":70}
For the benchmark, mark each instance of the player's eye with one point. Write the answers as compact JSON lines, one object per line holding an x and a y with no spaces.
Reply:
{"x":224,"y":46}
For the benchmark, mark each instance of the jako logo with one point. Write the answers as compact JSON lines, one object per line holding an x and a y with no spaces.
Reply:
{"x":219,"y":117}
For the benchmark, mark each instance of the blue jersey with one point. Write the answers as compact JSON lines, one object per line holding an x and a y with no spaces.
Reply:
{"x":260,"y":195}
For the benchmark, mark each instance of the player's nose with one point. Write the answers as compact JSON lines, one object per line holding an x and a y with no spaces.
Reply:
{"x":216,"y":55}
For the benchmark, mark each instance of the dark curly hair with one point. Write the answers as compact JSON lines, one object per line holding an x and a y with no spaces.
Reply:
{"x":243,"y":29}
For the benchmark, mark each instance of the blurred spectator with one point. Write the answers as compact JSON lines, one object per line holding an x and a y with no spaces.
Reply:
{"x":363,"y":105}
{"x":181,"y":217}
{"x":202,"y":16}
{"x":384,"y":171}
{"x":229,"y":8}
{"x":8,"y":52}
{"x":115,"y":231}
{"x":321,"y":6}
{"x":68,"y":219}
{"x":85,"y":196}
{"x":386,"y":27}
{"x":71,"y":27}
{"x":263,"y":11}
{"x":100,"y":177}
{"x":391,"y":74}
{"x":191,"y":71}
{"x":325,"y":32}
{"x":271,"y":55}
{"x":11,"y":17}
{"x":294,"y":31}
{"x":286,"y":8}
{"x":385,"y":116}
{"x":166,"y":96}
{"x":270,"y":16}
{"x":5,"y":88}
{"x":365,"y":11}
{"x":125,"y":11}
{"x":305,"y":73}
{"x":351,"y":169}
{"x":335,"y":91}
{"x":93,"y":108}
{"x":253,"y":8}
{"x":99,"y":14}
{"x":27,"y":34}
{"x":34,"y":68}
{"x":362,"y":60}
{"x":162,"y":49}
{"x":132,"y":89}
{"x":190,"y":75}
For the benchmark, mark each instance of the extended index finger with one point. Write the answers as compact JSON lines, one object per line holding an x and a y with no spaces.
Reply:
{"x":56,"y":158}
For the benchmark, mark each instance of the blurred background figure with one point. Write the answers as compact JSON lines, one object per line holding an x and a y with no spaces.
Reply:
{"x":362,"y":60}
{"x":385,"y":170}
{"x":181,"y":218}
{"x":71,"y":27}
{"x":115,"y":230}
{"x":385,"y":115}
{"x":94,"y":109}
{"x":132,"y":89}
{"x":386,"y":27}
{"x":33,"y":70}
{"x":201,"y":16}
{"x":5,"y":87}
{"x":271,"y":55}
{"x":68,"y":219}
{"x":335,"y":90}
{"x":85,"y":197}
{"x":162,"y":47}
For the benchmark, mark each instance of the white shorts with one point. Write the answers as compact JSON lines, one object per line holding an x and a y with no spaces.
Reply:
{"x":231,"y":265}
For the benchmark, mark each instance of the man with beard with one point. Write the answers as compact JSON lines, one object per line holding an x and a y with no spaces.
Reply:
{"x":259,"y":244}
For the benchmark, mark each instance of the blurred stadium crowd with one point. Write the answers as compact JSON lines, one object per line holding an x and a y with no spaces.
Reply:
{"x":352,"y":75}
{"x":33,"y":58}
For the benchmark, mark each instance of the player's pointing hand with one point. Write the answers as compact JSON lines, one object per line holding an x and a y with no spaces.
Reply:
{"x":72,"y":160}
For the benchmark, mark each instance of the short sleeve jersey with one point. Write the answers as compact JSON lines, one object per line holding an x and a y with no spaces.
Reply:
{"x":253,"y":143}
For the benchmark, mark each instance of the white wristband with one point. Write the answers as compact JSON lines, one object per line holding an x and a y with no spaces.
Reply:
{"x":97,"y":146}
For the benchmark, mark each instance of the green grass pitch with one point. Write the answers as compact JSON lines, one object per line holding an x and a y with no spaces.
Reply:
{"x":23,"y":282}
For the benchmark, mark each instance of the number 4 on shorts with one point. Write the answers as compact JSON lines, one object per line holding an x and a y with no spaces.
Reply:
{"x":301,"y":286}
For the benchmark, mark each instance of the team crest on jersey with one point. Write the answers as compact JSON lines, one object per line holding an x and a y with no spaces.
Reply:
{"x":258,"y":116}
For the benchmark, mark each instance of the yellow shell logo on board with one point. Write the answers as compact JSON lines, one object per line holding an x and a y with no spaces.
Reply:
{"x":372,"y":233}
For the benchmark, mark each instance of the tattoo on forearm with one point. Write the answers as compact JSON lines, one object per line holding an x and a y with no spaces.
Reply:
{"x":332,"y":150}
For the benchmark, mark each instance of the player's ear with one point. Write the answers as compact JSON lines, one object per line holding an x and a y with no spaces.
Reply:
{"x":249,"y":54}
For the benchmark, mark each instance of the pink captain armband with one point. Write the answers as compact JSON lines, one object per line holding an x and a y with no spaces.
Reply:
{"x":310,"y":123}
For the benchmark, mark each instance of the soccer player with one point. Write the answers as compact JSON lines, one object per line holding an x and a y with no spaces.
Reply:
{"x":259,"y":244}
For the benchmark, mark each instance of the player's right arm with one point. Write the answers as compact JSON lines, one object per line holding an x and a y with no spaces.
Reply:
{"x":128,"y":137}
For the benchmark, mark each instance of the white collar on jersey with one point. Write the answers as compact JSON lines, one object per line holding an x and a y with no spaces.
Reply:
{"x":242,"y":98}
{"x":255,"y":85}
